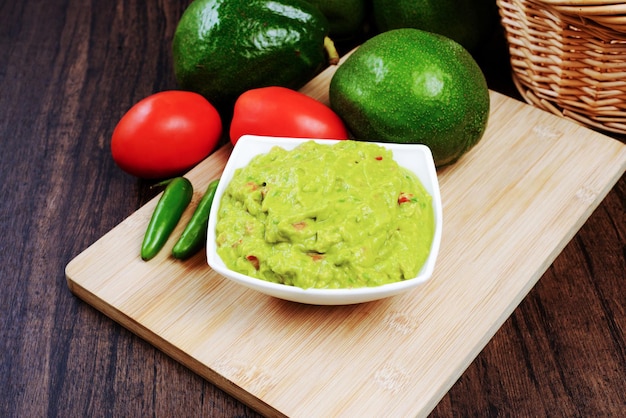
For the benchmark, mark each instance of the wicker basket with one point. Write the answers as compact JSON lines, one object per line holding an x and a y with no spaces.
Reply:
{"x":569,"y":57}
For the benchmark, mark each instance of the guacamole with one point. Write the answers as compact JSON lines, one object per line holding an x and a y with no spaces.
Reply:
{"x":325,"y":216}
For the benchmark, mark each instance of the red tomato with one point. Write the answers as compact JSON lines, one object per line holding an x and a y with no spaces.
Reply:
{"x":165,"y":134}
{"x":279,"y":111}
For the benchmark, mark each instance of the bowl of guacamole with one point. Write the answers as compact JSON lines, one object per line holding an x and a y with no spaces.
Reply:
{"x":326,"y":222}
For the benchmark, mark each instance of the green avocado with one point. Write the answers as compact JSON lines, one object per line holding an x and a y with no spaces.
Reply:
{"x":416,"y":87}
{"x":346,"y":17}
{"x":222,"y":48}
{"x":468,"y":22}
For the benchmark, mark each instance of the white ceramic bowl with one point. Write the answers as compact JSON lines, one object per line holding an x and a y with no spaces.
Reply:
{"x":417,"y":158}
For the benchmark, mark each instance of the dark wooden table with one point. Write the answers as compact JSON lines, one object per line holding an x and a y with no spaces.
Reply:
{"x":68,"y":71}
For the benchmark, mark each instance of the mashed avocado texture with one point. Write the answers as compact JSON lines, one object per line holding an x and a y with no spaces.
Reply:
{"x":325,"y":216}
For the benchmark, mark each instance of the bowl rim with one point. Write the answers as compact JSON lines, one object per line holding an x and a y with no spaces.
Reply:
{"x":250,"y":145}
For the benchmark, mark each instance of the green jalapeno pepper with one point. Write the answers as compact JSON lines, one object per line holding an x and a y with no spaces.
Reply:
{"x":194,"y":236}
{"x":169,"y":209}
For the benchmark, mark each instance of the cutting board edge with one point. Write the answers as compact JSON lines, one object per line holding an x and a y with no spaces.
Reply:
{"x":172,"y":351}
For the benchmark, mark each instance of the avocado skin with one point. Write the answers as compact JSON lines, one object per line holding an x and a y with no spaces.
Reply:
{"x":238,"y":45}
{"x":468,"y":22}
{"x":347,"y":18}
{"x":380,"y":94}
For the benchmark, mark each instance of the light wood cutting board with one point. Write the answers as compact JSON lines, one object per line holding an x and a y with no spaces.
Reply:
{"x":509,"y":208}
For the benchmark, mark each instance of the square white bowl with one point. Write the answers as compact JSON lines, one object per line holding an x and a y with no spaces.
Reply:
{"x":415,"y":157}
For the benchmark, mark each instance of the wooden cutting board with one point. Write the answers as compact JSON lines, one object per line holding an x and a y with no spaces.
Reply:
{"x":509,"y":208}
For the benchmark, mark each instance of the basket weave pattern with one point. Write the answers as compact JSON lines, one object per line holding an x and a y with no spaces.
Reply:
{"x":569,"y":57}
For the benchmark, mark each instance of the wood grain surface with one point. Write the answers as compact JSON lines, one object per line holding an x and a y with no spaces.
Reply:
{"x":68,"y":71}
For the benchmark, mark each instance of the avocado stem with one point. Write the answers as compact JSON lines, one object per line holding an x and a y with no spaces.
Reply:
{"x":333,"y":55}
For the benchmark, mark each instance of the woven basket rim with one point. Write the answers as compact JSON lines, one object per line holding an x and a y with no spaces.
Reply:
{"x":617,"y":126}
{"x":582,"y":3}
{"x":570,"y":65}
{"x":604,"y":13}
